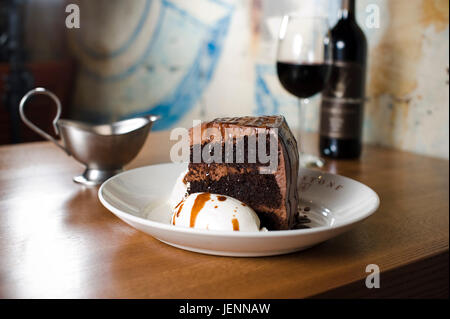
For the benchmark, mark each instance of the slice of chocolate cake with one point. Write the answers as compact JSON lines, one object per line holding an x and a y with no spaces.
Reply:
{"x":253,"y":159}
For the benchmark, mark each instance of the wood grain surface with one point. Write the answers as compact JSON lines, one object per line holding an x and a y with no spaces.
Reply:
{"x":58,"y":241}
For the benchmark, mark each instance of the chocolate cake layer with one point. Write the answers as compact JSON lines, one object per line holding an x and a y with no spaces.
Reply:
{"x":273,"y":196}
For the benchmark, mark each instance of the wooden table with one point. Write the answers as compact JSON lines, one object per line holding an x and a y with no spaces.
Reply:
{"x":57,"y":240}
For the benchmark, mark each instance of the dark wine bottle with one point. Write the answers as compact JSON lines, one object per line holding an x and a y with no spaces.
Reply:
{"x":342,"y":108}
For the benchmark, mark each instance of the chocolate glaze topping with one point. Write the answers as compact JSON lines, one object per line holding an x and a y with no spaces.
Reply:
{"x":246,"y":125}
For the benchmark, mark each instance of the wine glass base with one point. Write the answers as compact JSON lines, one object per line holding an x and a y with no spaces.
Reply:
{"x":311,"y":161}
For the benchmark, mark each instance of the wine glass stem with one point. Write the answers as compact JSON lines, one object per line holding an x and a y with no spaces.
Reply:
{"x":299,"y":134}
{"x":306,"y":160}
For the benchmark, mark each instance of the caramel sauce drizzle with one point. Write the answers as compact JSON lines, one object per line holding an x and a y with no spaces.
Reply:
{"x":179,"y":203}
{"x":179,"y":209}
{"x":179,"y":206}
{"x":221,"y":198}
{"x":198,"y":205}
{"x":235,"y":223}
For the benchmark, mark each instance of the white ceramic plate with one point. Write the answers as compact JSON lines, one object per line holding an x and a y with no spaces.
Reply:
{"x":139,"y":197}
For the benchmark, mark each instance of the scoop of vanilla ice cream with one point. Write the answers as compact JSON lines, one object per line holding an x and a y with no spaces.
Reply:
{"x":215,"y":212}
{"x":179,"y":191}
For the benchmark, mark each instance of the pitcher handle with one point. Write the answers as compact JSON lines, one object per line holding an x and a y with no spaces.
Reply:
{"x":43,"y":91}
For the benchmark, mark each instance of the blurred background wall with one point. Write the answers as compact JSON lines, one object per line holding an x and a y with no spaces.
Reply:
{"x":201,"y":59}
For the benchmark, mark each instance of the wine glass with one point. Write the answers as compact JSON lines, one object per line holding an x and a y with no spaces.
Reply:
{"x":304,"y":63}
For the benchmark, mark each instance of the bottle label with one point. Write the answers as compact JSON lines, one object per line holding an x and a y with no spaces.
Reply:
{"x":341,"y":118}
{"x":347,"y":79}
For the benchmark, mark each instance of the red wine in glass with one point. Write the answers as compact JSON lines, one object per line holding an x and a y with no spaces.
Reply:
{"x":304,"y":59}
{"x":303,"y":80}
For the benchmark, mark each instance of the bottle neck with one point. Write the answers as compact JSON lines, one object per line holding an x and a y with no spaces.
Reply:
{"x":347,"y":11}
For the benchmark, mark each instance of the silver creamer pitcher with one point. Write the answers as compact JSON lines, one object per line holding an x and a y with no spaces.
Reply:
{"x":104,"y":149}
